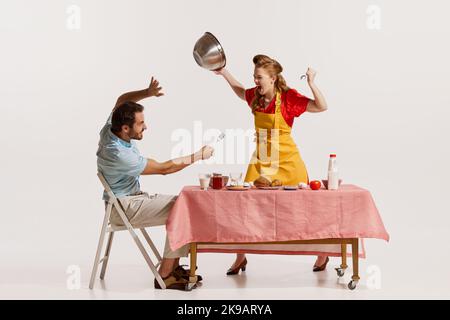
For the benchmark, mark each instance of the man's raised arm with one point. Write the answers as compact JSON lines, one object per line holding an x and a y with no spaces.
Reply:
{"x":153,"y":90}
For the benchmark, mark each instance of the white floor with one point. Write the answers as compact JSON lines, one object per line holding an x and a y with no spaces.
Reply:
{"x":267,"y":277}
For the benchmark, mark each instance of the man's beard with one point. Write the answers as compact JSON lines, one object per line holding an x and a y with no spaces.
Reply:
{"x":137,"y":136}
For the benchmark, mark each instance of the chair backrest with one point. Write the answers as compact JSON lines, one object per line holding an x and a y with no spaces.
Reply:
{"x":113,"y":201}
{"x":105,"y":184}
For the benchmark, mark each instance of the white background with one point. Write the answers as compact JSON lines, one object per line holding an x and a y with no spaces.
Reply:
{"x":388,"y":96}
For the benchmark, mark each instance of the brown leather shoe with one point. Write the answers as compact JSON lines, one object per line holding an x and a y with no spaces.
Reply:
{"x":242,"y":266}
{"x":322,"y":267}
{"x":175,"y":282}
{"x":183,"y":273}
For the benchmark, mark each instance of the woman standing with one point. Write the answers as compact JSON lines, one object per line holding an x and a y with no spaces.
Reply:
{"x":275,"y":106}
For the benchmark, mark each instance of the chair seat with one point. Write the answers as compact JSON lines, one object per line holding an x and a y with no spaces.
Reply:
{"x":114,"y":228}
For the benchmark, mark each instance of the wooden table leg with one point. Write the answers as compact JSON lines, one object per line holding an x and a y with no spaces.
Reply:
{"x":341,"y":270}
{"x":355,"y":257}
{"x":344,"y":256}
{"x":192,"y":276}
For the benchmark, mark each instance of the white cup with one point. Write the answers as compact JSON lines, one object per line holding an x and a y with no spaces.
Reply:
{"x":204,"y":180}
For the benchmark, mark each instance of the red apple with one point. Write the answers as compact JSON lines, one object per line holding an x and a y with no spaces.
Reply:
{"x":315,"y":185}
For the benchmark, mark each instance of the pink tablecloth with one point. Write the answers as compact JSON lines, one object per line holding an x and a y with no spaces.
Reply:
{"x":273,"y":215}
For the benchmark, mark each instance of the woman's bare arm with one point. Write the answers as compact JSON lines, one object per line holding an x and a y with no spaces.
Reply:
{"x":318,"y":104}
{"x":237,"y":87}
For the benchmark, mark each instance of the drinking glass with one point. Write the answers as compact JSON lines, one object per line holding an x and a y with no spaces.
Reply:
{"x":204,"y":180}
{"x":236,"y":179}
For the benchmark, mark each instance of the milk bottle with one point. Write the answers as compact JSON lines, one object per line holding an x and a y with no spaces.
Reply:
{"x":333,"y":177}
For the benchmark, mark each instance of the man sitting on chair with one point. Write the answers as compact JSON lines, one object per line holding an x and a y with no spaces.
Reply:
{"x":121,"y":164}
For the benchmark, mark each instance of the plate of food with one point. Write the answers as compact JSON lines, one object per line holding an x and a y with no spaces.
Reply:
{"x":238,"y":188}
{"x":265,"y":183}
{"x":270,"y":188}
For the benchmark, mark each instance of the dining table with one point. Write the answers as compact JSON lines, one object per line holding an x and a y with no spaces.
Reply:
{"x":276,"y":221}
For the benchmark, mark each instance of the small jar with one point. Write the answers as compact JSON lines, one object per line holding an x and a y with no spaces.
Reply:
{"x":217,"y":181}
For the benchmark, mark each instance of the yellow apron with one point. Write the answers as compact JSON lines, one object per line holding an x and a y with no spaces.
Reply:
{"x":276,"y":155}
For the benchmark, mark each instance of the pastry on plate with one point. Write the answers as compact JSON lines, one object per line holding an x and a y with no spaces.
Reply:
{"x":262,"y":182}
{"x":276,"y":183}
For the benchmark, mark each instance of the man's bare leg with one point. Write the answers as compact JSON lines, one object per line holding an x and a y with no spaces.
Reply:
{"x":167,"y":266}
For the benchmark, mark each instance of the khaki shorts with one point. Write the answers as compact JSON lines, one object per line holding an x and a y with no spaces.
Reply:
{"x":149,"y":210}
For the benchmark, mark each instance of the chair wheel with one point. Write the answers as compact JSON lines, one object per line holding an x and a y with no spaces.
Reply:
{"x":340,"y":272}
{"x":352,"y":284}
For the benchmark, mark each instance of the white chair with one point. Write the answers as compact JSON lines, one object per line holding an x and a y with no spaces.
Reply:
{"x":111,"y":229}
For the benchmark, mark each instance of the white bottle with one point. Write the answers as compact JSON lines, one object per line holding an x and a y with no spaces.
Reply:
{"x":333,"y":177}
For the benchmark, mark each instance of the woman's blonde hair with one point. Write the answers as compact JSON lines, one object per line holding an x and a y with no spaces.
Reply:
{"x":273,"y":68}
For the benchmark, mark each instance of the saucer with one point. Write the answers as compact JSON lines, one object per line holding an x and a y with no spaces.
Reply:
{"x":238,"y":188}
{"x":269,"y":188}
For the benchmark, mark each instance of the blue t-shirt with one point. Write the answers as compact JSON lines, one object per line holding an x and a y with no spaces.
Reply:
{"x":120,"y":162}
